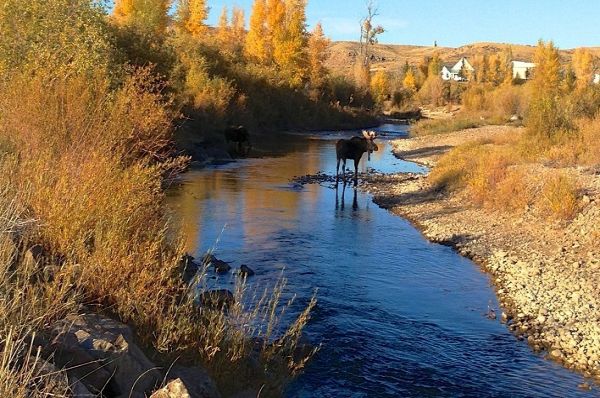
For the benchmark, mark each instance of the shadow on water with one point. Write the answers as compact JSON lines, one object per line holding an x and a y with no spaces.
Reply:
{"x":397,"y":315}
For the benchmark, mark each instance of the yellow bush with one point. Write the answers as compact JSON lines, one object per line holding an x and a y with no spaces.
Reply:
{"x":559,"y":197}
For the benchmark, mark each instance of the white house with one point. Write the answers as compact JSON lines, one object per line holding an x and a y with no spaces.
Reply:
{"x":453,"y":72}
{"x":522,"y":69}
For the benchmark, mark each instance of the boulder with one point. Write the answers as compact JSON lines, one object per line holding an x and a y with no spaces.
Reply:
{"x":174,"y":389}
{"x":189,"y":268}
{"x":217,"y":299}
{"x":220,"y":266}
{"x":108,"y":349}
{"x":196,"y":382}
{"x":246,"y":271}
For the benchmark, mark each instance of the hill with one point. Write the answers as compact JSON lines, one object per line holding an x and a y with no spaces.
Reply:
{"x":391,"y":57}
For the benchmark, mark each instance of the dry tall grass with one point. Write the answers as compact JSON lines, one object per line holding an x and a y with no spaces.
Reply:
{"x":88,"y":164}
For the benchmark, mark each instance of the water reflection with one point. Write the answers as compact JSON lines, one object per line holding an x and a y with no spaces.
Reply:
{"x":341,"y":206}
{"x":397,"y":316}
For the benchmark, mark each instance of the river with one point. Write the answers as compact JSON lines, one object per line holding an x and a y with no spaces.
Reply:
{"x":397,"y":316}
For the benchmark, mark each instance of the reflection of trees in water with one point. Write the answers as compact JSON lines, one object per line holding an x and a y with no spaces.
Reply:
{"x":249,"y":193}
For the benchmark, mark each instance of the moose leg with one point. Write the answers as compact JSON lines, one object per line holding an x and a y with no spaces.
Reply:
{"x":344,"y":170}
{"x":337,"y":171}
{"x":356,"y":172}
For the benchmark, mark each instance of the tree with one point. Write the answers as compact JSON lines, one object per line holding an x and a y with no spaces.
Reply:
{"x":583,"y":67}
{"x":223,"y":31}
{"x":546,"y":79}
{"x":380,"y":87}
{"x":289,"y":41}
{"x":238,"y":26}
{"x":410,"y":82}
{"x":368,"y":38}
{"x":317,"y":54}
{"x":256,"y":40}
{"x":198,"y":12}
{"x":142,"y":14}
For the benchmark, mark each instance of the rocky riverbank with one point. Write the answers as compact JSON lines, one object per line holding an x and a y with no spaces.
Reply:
{"x":546,"y":272}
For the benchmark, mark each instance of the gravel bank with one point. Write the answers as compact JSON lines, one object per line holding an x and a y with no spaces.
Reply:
{"x":547,"y":274}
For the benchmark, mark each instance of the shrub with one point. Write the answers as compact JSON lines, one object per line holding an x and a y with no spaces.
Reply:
{"x":559,"y":197}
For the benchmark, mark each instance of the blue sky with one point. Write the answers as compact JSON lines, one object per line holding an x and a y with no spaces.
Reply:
{"x":570,"y":24}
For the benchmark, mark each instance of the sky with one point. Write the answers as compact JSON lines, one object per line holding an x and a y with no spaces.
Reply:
{"x":569,"y":24}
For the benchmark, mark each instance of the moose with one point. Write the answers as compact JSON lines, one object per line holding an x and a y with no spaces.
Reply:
{"x":354,"y":149}
{"x":240,"y":137}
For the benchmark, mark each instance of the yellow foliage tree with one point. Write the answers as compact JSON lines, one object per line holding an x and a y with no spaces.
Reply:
{"x":317,"y":54}
{"x":276,"y":29}
{"x":546,"y":77}
{"x":256,"y":40}
{"x":142,"y":14}
{"x":238,"y":28}
{"x":583,"y":66}
{"x":191,"y":16}
{"x":289,"y":40}
{"x":223,"y":31}
{"x":380,"y":87}
{"x":410,"y":81}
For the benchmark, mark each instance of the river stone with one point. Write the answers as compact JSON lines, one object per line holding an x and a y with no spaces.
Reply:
{"x":111,"y":345}
{"x":246,"y":271}
{"x":217,"y":299}
{"x":193,"y":380}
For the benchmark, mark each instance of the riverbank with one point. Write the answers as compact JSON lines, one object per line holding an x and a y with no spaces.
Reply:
{"x":545,"y":272}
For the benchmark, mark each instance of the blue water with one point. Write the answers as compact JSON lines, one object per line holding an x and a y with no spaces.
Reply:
{"x":397,"y":316}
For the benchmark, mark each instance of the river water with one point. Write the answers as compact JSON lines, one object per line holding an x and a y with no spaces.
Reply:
{"x":397,"y":316}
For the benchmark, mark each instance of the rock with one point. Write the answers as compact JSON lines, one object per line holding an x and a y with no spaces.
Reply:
{"x":34,"y":254}
{"x":174,"y":389}
{"x":246,"y":271}
{"x":196,"y":382}
{"x":110,"y":351}
{"x":189,"y":267}
{"x":217,"y":299}
{"x":220,"y":266}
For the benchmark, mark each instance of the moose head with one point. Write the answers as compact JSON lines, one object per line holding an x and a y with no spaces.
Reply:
{"x":371,"y":145}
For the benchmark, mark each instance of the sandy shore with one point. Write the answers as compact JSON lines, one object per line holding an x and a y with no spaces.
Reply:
{"x":547,"y":274}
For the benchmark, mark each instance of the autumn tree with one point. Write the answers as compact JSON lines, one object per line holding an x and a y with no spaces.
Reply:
{"x":317,"y":54}
{"x":583,"y":67}
{"x":410,"y":81}
{"x":380,"y":87}
{"x":546,"y":114}
{"x":290,"y":40}
{"x":191,"y":16}
{"x":256,"y":39}
{"x":223,"y":30}
{"x":546,"y":78}
{"x":238,"y":29}
{"x":142,"y":14}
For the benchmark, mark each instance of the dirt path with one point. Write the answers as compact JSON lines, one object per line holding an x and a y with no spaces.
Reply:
{"x":547,"y":274}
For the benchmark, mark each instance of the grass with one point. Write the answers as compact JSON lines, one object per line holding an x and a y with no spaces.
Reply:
{"x":88,"y":162}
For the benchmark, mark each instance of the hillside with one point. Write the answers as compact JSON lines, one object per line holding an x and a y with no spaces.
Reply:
{"x":392,"y":57}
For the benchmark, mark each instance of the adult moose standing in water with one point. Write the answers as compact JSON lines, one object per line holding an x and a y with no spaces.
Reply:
{"x":354,"y":149}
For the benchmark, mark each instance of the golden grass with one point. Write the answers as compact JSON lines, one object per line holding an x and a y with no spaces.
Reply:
{"x":88,"y":165}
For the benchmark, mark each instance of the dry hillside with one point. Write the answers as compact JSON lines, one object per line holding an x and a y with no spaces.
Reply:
{"x":391,"y":57}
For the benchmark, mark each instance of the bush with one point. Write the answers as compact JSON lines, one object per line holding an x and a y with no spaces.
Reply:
{"x":559,"y":197}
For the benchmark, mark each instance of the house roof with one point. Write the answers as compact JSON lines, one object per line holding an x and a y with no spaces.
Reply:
{"x":523,"y":64}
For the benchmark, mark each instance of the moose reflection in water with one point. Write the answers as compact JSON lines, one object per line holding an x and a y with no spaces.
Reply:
{"x":342,"y":205}
{"x":354,"y":148}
